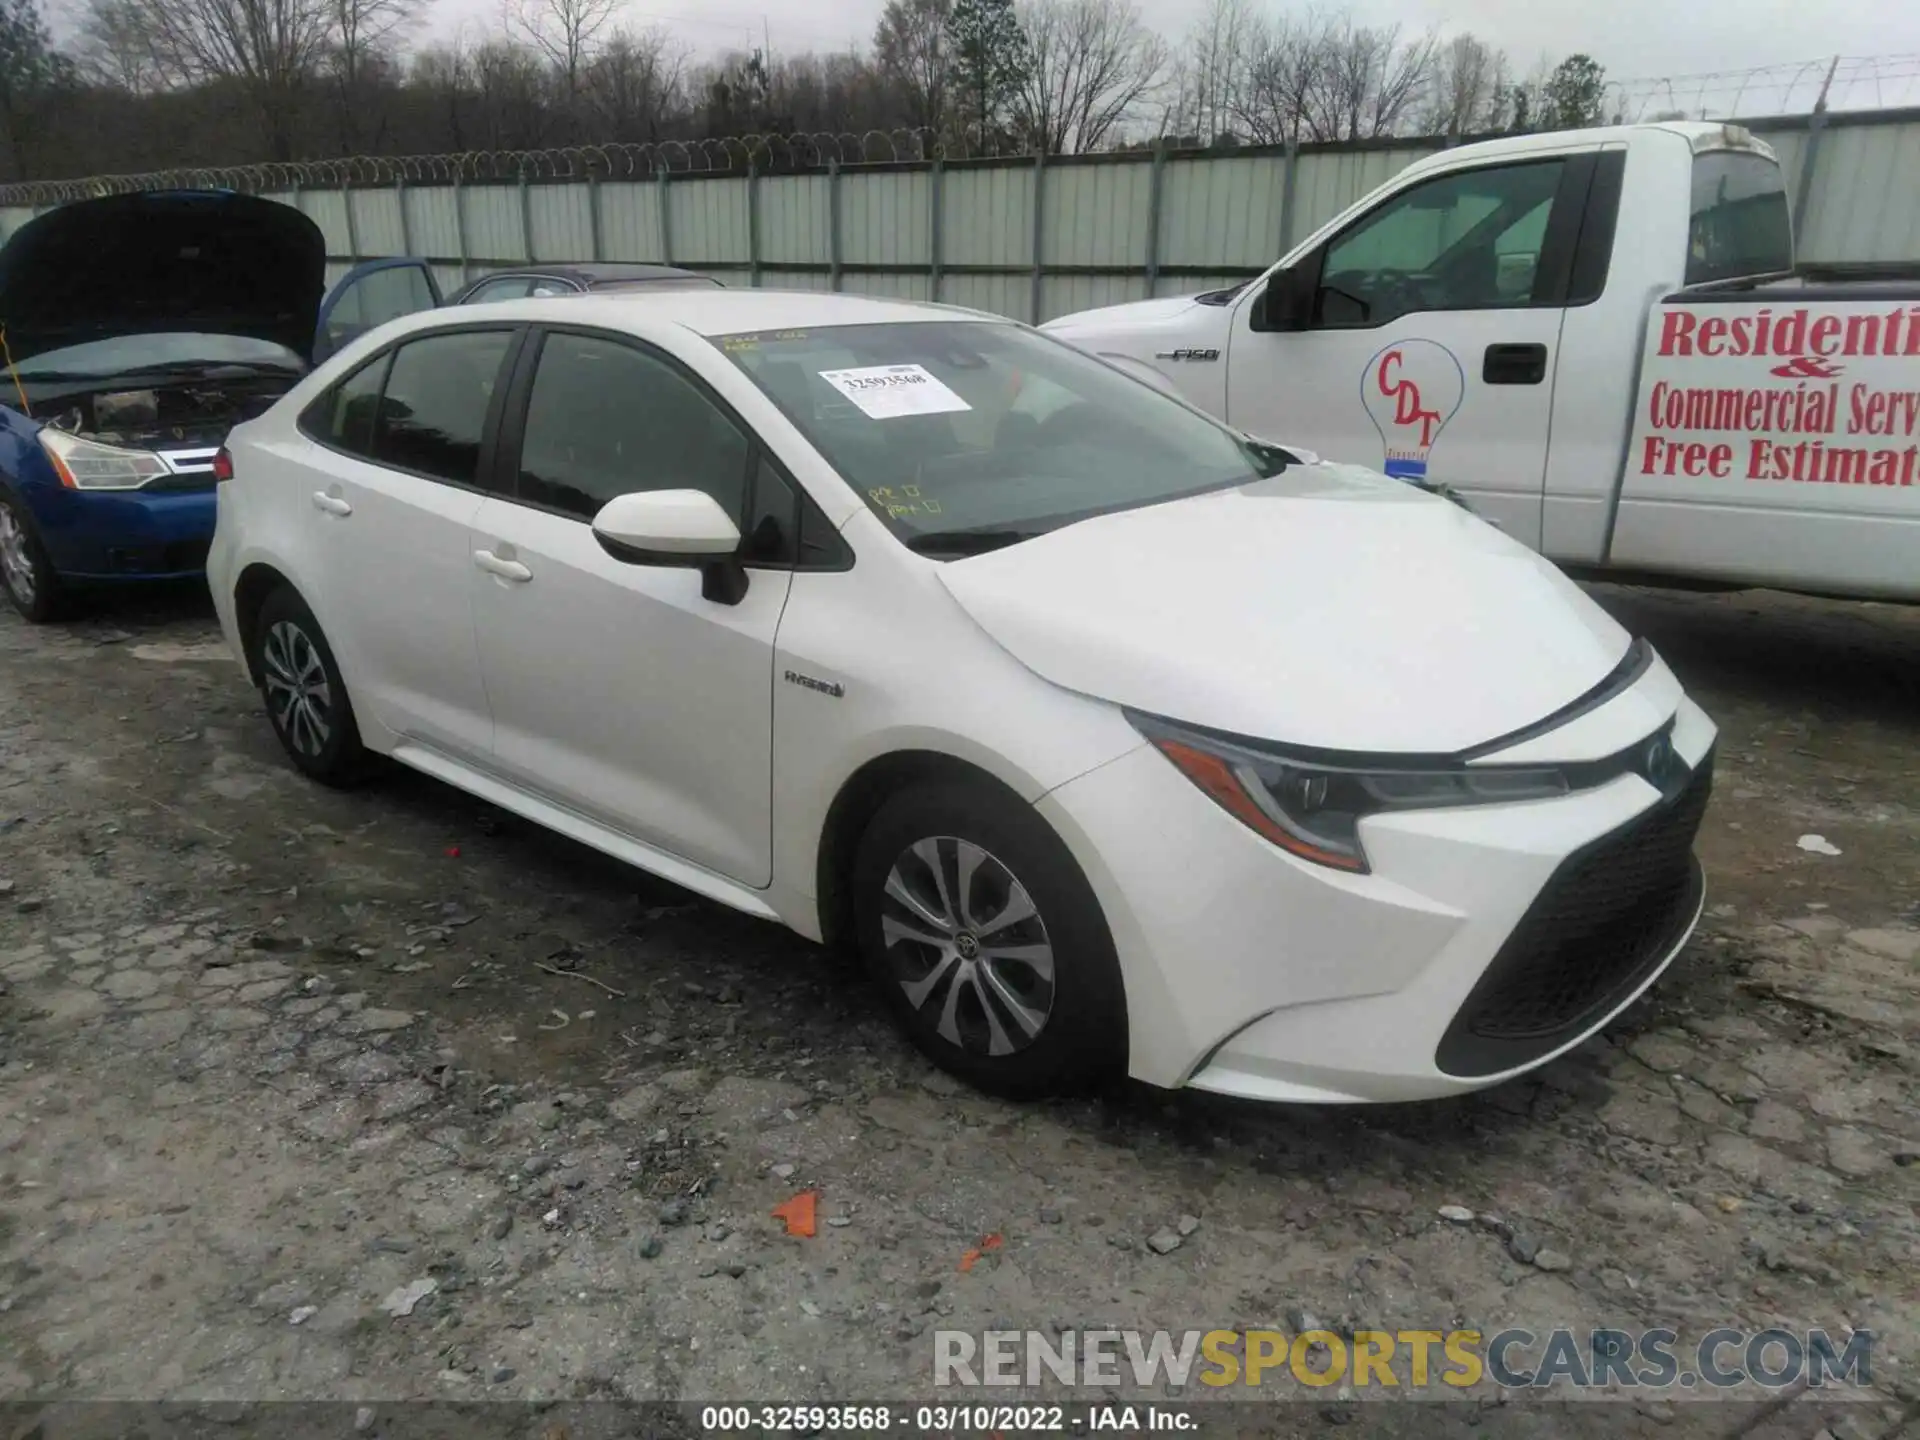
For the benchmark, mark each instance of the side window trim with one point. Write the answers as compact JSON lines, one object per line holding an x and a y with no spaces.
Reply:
{"x":1317,"y":261}
{"x":516,"y":343}
{"x":1554,"y":269}
{"x":1593,"y":250}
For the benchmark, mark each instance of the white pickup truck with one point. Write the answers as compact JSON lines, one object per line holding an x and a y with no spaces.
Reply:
{"x":1598,"y":340}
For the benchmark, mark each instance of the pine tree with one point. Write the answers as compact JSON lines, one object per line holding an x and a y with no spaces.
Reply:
{"x":31,"y":72}
{"x":989,"y":55}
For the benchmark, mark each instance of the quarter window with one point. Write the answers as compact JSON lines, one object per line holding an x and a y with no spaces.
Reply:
{"x":344,"y":419}
{"x":434,"y":411}
{"x":1468,"y":241}
{"x":606,"y":419}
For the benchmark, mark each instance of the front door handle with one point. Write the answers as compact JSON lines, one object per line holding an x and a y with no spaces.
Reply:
{"x":1514,"y":365}
{"x":504,"y":569}
{"x":330,"y":504}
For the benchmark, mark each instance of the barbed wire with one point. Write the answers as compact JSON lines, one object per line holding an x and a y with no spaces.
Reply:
{"x":615,"y":161}
{"x":1631,"y":100}
{"x":1858,"y":82}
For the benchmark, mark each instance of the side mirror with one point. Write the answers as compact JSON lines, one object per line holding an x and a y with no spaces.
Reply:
{"x":1287,"y":302}
{"x":683,"y":528}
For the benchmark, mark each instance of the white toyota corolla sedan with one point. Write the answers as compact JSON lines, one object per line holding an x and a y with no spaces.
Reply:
{"x":1111,"y":738}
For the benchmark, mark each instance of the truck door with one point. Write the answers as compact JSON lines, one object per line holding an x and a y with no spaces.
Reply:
{"x":1423,"y":338}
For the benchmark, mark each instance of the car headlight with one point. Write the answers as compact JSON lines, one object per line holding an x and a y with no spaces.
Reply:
{"x":89,"y":465}
{"x":1312,"y":806}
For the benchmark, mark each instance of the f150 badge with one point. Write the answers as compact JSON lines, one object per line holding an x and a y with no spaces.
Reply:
{"x":1186,"y":354}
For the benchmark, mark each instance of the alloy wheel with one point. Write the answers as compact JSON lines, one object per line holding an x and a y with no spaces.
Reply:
{"x":299,"y":696}
{"x":966,"y":944}
{"x":16,"y":560}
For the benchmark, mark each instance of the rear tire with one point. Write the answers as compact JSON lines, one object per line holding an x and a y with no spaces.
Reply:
{"x":306,"y":698}
{"x":988,"y":943}
{"x":26,"y":574}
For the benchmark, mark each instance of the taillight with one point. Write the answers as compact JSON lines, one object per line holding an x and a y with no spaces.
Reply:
{"x":223,"y":465}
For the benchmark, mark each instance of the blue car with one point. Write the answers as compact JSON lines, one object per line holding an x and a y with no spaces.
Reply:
{"x":139,"y":329}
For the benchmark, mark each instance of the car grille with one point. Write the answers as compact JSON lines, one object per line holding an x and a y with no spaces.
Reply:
{"x":1605,"y":920}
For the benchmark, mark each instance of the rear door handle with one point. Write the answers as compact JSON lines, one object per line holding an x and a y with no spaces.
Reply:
{"x":330,"y":504}
{"x":504,"y":569}
{"x":1514,"y":365}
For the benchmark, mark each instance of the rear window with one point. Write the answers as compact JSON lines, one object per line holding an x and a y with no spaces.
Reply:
{"x":1740,"y":225}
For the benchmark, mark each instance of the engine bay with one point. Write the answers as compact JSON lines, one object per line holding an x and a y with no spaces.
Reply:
{"x":172,"y":417}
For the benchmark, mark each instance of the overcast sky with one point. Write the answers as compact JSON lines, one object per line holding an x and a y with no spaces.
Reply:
{"x":1633,"y":39}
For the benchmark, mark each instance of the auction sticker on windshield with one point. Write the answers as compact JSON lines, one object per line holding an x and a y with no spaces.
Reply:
{"x":886,"y":392}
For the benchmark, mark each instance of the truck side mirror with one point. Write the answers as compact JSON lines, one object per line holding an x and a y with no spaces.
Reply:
{"x":1287,"y":302}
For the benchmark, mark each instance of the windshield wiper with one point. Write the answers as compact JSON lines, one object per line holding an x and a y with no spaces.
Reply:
{"x":959,"y":543}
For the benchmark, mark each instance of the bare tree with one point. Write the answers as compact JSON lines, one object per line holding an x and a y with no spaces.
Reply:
{"x":115,"y":50}
{"x":564,"y":31}
{"x":1284,"y":63}
{"x":267,"y":49}
{"x":634,"y":84}
{"x":1369,"y":83}
{"x":442,"y":76}
{"x":1468,"y":78}
{"x":364,"y":36}
{"x":910,"y":49}
{"x":512,"y":95}
{"x":1212,"y":74}
{"x":1092,"y":63}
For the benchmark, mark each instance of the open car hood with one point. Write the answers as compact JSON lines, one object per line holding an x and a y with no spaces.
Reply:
{"x":203,"y":261}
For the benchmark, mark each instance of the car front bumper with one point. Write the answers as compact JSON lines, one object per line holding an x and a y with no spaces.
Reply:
{"x":1484,"y":942}
{"x":105,"y":535}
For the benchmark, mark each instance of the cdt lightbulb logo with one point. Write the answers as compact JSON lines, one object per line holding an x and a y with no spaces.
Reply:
{"x":1411,"y":389}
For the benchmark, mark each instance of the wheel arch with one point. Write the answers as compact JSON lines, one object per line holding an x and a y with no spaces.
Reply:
{"x":250,"y":591}
{"x":854,"y":805}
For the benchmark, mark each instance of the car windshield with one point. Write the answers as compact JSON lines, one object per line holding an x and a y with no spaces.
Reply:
{"x":963,"y":436}
{"x":129,"y":354}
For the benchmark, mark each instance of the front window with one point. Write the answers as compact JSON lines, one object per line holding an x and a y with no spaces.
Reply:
{"x":1740,"y":225}
{"x":1465,"y":241}
{"x":962,"y":436}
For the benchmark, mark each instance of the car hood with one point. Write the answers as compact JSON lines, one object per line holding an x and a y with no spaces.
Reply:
{"x":209,"y":262}
{"x":1135,"y":314}
{"x":1326,"y":607}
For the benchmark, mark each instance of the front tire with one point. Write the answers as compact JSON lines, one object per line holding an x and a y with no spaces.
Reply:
{"x":306,"y":697}
{"x":26,"y":574}
{"x":988,"y":943}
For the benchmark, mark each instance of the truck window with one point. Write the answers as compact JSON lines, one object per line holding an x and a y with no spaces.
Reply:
{"x":1740,"y":223}
{"x":1466,"y":241}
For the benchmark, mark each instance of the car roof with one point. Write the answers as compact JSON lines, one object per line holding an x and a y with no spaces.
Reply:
{"x":1700,"y":135}
{"x":711,"y":312}
{"x":597,"y":272}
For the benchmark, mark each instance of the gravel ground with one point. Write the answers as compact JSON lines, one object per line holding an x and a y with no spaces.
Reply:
{"x":388,"y":1095}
